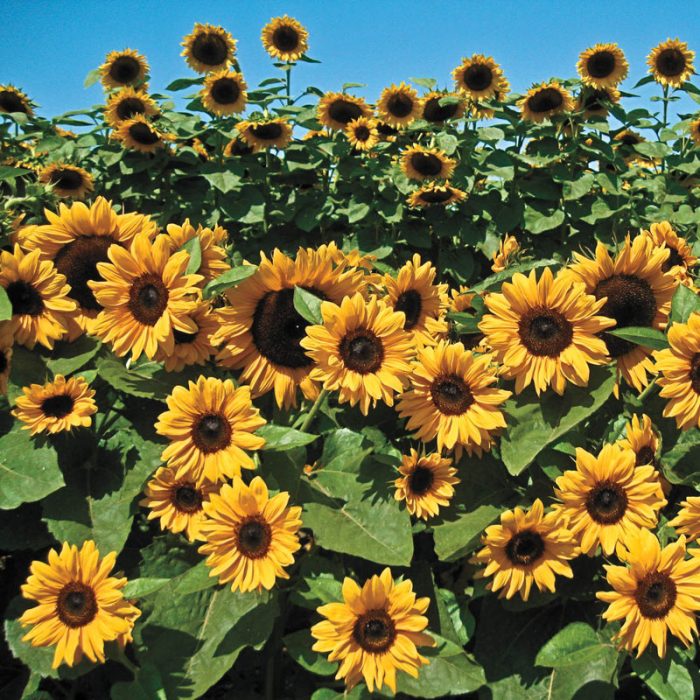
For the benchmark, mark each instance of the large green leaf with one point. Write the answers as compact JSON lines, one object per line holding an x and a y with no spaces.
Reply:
{"x":279,"y":438}
{"x":500,"y":277}
{"x":308,"y":305}
{"x":669,"y":678}
{"x":578,"y":643}
{"x":228,"y":279}
{"x":684,"y":303}
{"x":67,"y":358}
{"x":5,"y":305}
{"x":647,"y":337}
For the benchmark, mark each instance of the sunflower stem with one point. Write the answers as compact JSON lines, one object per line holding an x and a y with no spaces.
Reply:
{"x":665,"y":89}
{"x":647,"y":390}
{"x":289,"y":82}
{"x":314,"y":410}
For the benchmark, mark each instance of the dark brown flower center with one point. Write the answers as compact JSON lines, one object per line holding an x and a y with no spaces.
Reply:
{"x":426,"y":164}
{"x":253,"y":537}
{"x":399,"y":105}
{"x":182,"y":338}
{"x":655,"y":595}
{"x":674,"y":258}
{"x":374,"y":631}
{"x":210,"y":49}
{"x":451,"y":395}
{"x":267,"y":132}
{"x":285,"y":38}
{"x":411,"y":303}
{"x":670,"y":62}
{"x":545,"y":331}
{"x":362,"y":133}
{"x":130,"y":106}
{"x":601,"y":64}
{"x":525,"y":547}
{"x":211,"y":432}
{"x":385,"y":129}
{"x":361,"y":351}
{"x":545,"y":100}
{"x":478,"y":77}
{"x":606,"y":502}
{"x":66,"y":179}
{"x":343,"y":111}
{"x":594,"y":101}
{"x":76,"y":605}
{"x":12,"y":102}
{"x":143,"y":134}
{"x":124,"y":70}
{"x":58,"y":406}
{"x":436,"y":195}
{"x":420,"y":480}
{"x":148,"y":299}
{"x":25,"y":299}
{"x":434,"y":112}
{"x":225,"y":91}
{"x":645,"y":455}
{"x":238,"y":147}
{"x":694,"y":374}
{"x":629,"y":139}
{"x":4,"y":362}
{"x":631,"y":302}
{"x":187,"y":498}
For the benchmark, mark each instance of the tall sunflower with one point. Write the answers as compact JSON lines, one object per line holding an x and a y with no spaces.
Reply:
{"x":642,"y":439}
{"x":208,"y":48}
{"x":638,"y":293}
{"x":435,"y":194}
{"x":138,"y":134}
{"x":210,"y":424}
{"x":399,"y":105}
{"x":362,"y":133}
{"x":213,"y":255}
{"x":80,"y":607}
{"x":607,"y":498}
{"x":285,"y":39}
{"x":66,"y":180}
{"x":671,"y":63}
{"x":603,"y":66}
{"x":526,"y":547}
{"x":260,"y":330}
{"x":479,"y":77}
{"x":545,"y":101}
{"x":656,"y":593}
{"x":361,"y":351}
{"x":124,"y":68}
{"x":420,"y":163}
{"x":249,"y":536}
{"x":13,"y":100}
{"x":126,"y":104}
{"x":507,"y":249}
{"x":437,"y":109}
{"x":337,"y":109}
{"x":681,"y":259}
{"x":265,"y":133}
{"x":224,"y":92}
{"x":374,"y":632}
{"x":544,"y":332}
{"x":452,"y":399}
{"x":146,"y":295}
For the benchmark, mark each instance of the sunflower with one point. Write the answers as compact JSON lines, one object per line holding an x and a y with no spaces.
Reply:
{"x":145,"y":296}
{"x":337,"y":109}
{"x":362,"y":133}
{"x":140,"y":135}
{"x":527,"y":547}
{"x":479,"y":77}
{"x":687,"y":522}
{"x":437,"y":113}
{"x":544,"y":101}
{"x":237,"y":147}
{"x":177,"y":502}
{"x":5,"y":360}
{"x":79,"y":606}
{"x":671,"y":63}
{"x":374,"y":632}
{"x":208,"y":48}
{"x":594,"y":102}
{"x":657,"y":592}
{"x":624,"y":142}
{"x":14,"y":101}
{"x":265,"y":133}
{"x":642,"y":439}
{"x":261,"y":330}
{"x":638,"y":293}
{"x":544,"y":332}
{"x":249,"y":537}
{"x":507,"y":249}
{"x":213,"y":255}
{"x":124,"y":68}
{"x":66,"y":180}
{"x":433,"y":193}
{"x":602,"y":66}
{"x":399,"y":105}
{"x":209,"y":425}
{"x":386,"y":132}
{"x":479,"y":110}
{"x":224,"y":92}
{"x":285,"y":39}
{"x":461,"y":301}
{"x":608,"y":497}
{"x":126,"y":104}
{"x":420,"y":163}
{"x":694,"y":129}
{"x":426,"y":483}
{"x":681,"y":258}
{"x":452,"y":399}
{"x":41,"y":307}
{"x":361,"y":351}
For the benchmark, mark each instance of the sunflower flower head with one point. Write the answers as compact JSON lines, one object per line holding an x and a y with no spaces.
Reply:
{"x":66,"y":180}
{"x":224,"y":92}
{"x":671,"y":63}
{"x":285,"y":39}
{"x":508,"y":248}
{"x":436,"y":194}
{"x":139,"y":134}
{"x":642,"y":439}
{"x":337,"y":109}
{"x":681,"y":260}
{"x":479,"y":77}
{"x":545,"y":101}
{"x":208,"y":48}
{"x":262,"y":134}
{"x":399,"y":105}
{"x":124,"y":68}
{"x":13,"y":100}
{"x":362,"y":133}
{"x":213,"y":255}
{"x":441,"y":106}
{"x":420,"y":163}
{"x":602,"y":66}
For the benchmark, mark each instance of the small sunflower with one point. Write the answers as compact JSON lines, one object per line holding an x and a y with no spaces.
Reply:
{"x":146,"y":295}
{"x":362,"y":133}
{"x":126,"y":104}
{"x":420,"y":163}
{"x":374,"y":632}
{"x":285,"y":39}
{"x":208,"y":48}
{"x":13,"y":101}
{"x":461,"y":301}
{"x":80,"y":607}
{"x":527,"y":547}
{"x":507,"y":249}
{"x":265,"y":133}
{"x":210,"y":424}
{"x":479,"y":77}
{"x":5,"y":362}
{"x":545,"y":332}
{"x":337,"y":109}
{"x":437,"y":113}
{"x":433,"y":193}
{"x":607,"y":498}
{"x":656,"y":593}
{"x":545,"y":101}
{"x":66,"y":180}
{"x":694,"y":129}
{"x":140,"y":135}
{"x":386,"y":132}
{"x":249,"y":536}
{"x":624,"y":142}
{"x":124,"y":68}
{"x":452,"y":399}
{"x":224,"y":92}
{"x":681,"y":259}
{"x":642,"y":439}
{"x":671,"y":63}
{"x":213,"y":255}
{"x":595,"y":102}
{"x":178,"y":503}
{"x":361,"y":351}
{"x":603,"y":66}
{"x":687,"y":522}
{"x":426,"y":483}
{"x":399,"y":105}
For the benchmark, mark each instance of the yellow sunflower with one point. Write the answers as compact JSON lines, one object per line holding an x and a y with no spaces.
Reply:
{"x":140,"y":135}
{"x":694,"y":129}
{"x":507,"y":249}
{"x":420,"y":163}
{"x":607,"y":498}
{"x":544,"y":101}
{"x":687,"y":522}
{"x":374,"y":632}
{"x":544,"y":332}
{"x":41,"y":307}
{"x":213,"y":255}
{"x":265,"y":133}
{"x":479,"y":77}
{"x":656,"y":593}
{"x":437,"y":113}
{"x":681,"y":258}
{"x":603,"y":66}
{"x":337,"y":109}
{"x":249,"y":537}
{"x":224,"y":92}
{"x":452,"y":399}
{"x":66,"y":180}
{"x":433,"y":193}
{"x":285,"y":39}
{"x":208,"y":48}
{"x":527,"y":547}
{"x":5,"y":361}
{"x":362,"y":133}
{"x":237,"y":147}
{"x":124,"y":68}
{"x":178,"y":503}
{"x":638,"y":293}
{"x":399,"y":105}
{"x":13,"y":101}
{"x":360,"y":351}
{"x":145,"y":296}
{"x":126,"y":104}
{"x":426,"y":483}
{"x":210,"y":424}
{"x":595,"y":102}
{"x":80,"y":607}
{"x":642,"y":439}
{"x":260,"y":330}
{"x":671,"y":63}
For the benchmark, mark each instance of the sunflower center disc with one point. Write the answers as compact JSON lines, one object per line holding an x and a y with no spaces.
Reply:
{"x":374,"y":631}
{"x":525,"y":547}
{"x":285,"y":38}
{"x":695,"y":372}
{"x":545,"y":332}
{"x":362,"y":351}
{"x":267,"y":132}
{"x":76,"y":604}
{"x":188,"y":499}
{"x":655,"y":595}
{"x":645,"y":456}
{"x":362,"y":133}
{"x":24,"y":298}
{"x":420,"y":480}
{"x":211,"y":433}
{"x":451,"y":395}
{"x":433,"y":111}
{"x":671,"y":62}
{"x":143,"y":134}
{"x":478,"y":77}
{"x":148,"y":299}
{"x":57,"y":406}
{"x":9,"y":102}
{"x":129,"y":107}
{"x":66,"y":179}
{"x":438,"y":195}
{"x":411,"y":304}
{"x":606,"y":502}
{"x":182,"y":338}
{"x":210,"y":49}
{"x":254,"y":537}
{"x":426,"y":164}
{"x":124,"y":70}
{"x":400,"y":105}
{"x":545,"y":100}
{"x":673,"y":259}
{"x":225,"y":91}
{"x":601,"y":64}
{"x":343,"y":111}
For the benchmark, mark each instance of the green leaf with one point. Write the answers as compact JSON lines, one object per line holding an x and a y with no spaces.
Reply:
{"x":279,"y":438}
{"x":67,"y":358}
{"x":576,"y":644}
{"x":500,"y":277}
{"x":447,"y":142}
{"x":230,"y":278}
{"x":91,"y":78}
{"x":184,"y":83}
{"x":298,"y":645}
{"x":668,"y":678}
{"x":7,"y":172}
{"x":428,"y":83}
{"x":308,"y":305}
{"x":684,"y":303}
{"x":194,"y":249}
{"x":575,"y":189}
{"x":141,"y":587}
{"x":539,"y":222}
{"x":641,"y":335}
{"x":5,"y":306}
{"x":224,"y":180}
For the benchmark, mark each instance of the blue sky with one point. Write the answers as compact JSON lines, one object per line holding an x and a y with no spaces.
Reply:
{"x":49,"y":47}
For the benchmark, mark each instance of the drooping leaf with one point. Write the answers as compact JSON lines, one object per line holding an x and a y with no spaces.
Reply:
{"x":647,"y":337}
{"x":279,"y":438}
{"x":228,"y":279}
{"x":308,"y":305}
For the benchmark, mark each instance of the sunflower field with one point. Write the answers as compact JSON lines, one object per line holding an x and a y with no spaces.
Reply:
{"x":305,"y":396}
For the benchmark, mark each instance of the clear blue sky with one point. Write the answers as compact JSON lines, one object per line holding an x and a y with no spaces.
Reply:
{"x":47,"y":48}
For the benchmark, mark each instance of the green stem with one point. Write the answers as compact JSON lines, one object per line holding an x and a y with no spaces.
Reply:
{"x":289,"y":83}
{"x":314,"y":410}
{"x":665,"y":88}
{"x":648,"y":390}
